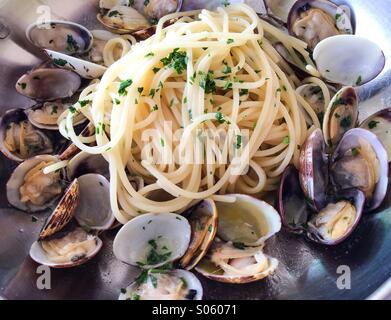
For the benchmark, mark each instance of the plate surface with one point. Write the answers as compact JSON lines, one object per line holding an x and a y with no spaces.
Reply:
{"x":306,"y":270}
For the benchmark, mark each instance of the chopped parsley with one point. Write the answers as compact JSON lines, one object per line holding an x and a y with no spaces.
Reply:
{"x":155,"y":108}
{"x":151,"y":54}
{"x":72,"y":45}
{"x":287,"y":140}
{"x":238,"y":144}
{"x":227,"y":69}
{"x":54,"y":109}
{"x":243,"y":92}
{"x":207,"y":82}
{"x":176,"y":60}
{"x":229,"y":41}
{"x":83,"y":103}
{"x":60,"y":62}
{"x":140,"y":90}
{"x":239,"y":245}
{"x":156,"y":70}
{"x":358,"y":81}
{"x":114,"y":13}
{"x":219,"y":117}
{"x":373,"y":124}
{"x":346,"y":122}
{"x":355,"y":152}
{"x":123,"y":86}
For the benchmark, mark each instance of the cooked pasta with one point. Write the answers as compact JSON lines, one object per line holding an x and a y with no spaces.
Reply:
{"x":205,"y":107}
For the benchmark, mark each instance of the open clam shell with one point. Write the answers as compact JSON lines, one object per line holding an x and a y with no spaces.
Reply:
{"x":85,"y":246}
{"x":46,"y":115}
{"x":61,"y":36}
{"x":123,"y":19}
{"x":203,"y":219}
{"x":339,"y":219}
{"x":380,"y":125}
{"x":293,"y":208}
{"x":314,"y":170}
{"x":175,"y":285}
{"x":315,"y":20}
{"x":349,"y":60}
{"x":19,"y":140}
{"x":360,"y":161}
{"x":228,"y":263}
{"x":83,"y":68}
{"x":48,"y":84}
{"x":40,"y":191}
{"x":94,"y":211}
{"x":148,"y":241}
{"x":341,"y":115}
{"x":63,"y":213}
{"x":84,"y":163}
{"x":248,"y":220}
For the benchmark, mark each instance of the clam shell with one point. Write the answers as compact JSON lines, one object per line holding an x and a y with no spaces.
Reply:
{"x":16,"y":180}
{"x":351,"y":141}
{"x":45,"y":35}
{"x":63,"y":213}
{"x":209,"y":270}
{"x":291,"y":201}
{"x":349,"y":60}
{"x":357,"y":198}
{"x":83,"y":68}
{"x":380,"y":125}
{"x":313,"y":170}
{"x":132,"y":243}
{"x":203,"y":219}
{"x":193,"y":284}
{"x":38,"y":255}
{"x":248,"y":220}
{"x":94,"y":211}
{"x":48,"y":84}
{"x":16,"y":116}
{"x":84,"y":163}
{"x":341,"y":115}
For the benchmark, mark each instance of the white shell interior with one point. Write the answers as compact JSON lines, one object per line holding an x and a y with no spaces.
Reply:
{"x":94,"y":210}
{"x":83,"y":68}
{"x":131,"y":245}
{"x":348,"y":59}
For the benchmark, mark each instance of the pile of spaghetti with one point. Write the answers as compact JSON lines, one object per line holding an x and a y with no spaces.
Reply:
{"x":208,"y":74}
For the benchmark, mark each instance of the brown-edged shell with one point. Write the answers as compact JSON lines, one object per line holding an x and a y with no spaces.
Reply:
{"x":63,"y":213}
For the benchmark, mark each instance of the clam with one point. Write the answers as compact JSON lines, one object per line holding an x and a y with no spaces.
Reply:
{"x":232,"y":263}
{"x":172,"y":285}
{"x":279,"y":8}
{"x":236,"y":255}
{"x":83,"y":68}
{"x":148,"y":241}
{"x":46,"y":115}
{"x":19,"y":139}
{"x":338,"y":219}
{"x":249,"y":221}
{"x":203,"y":219}
{"x":123,"y":19}
{"x":314,"y":170}
{"x":315,"y":20}
{"x":29,"y":189}
{"x":61,"y":36}
{"x":48,"y":84}
{"x":293,"y":208}
{"x":94,"y":196}
{"x":84,"y":163}
{"x":360,"y":161}
{"x":155,"y":9}
{"x":349,"y":60}
{"x":69,"y":236}
{"x":341,"y":115}
{"x":379,"y":124}
{"x":332,"y":224}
